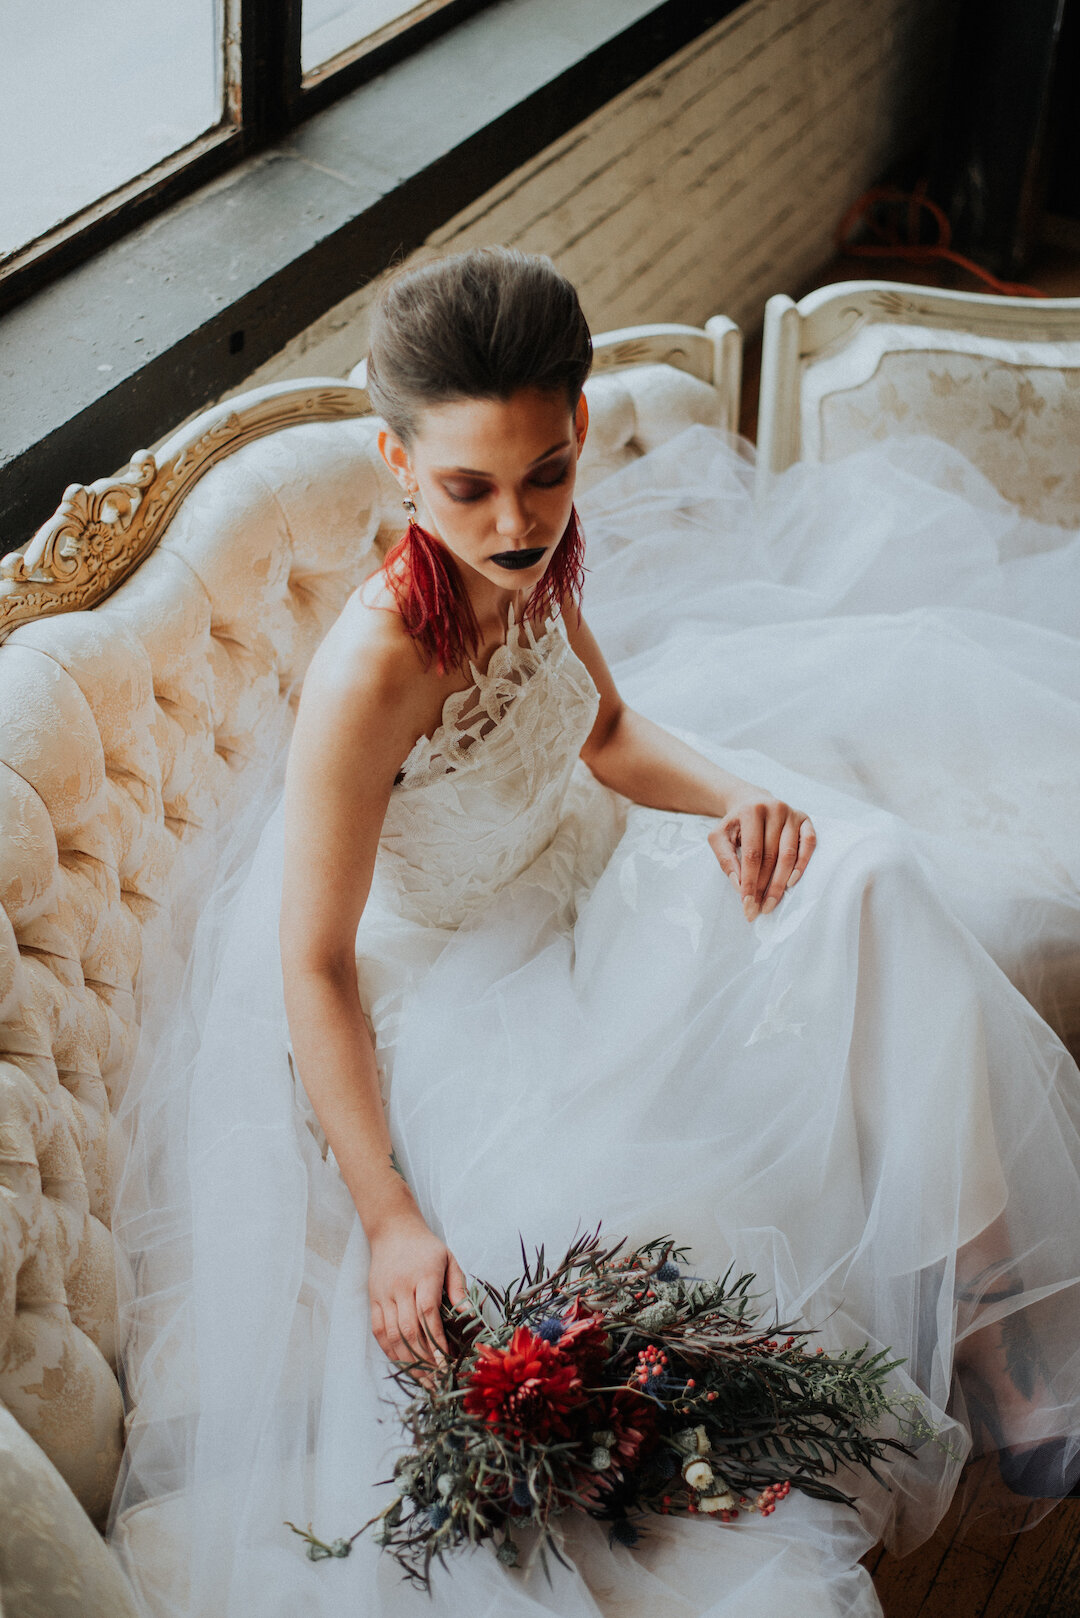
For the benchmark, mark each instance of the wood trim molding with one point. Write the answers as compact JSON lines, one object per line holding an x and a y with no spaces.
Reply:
{"x":102,"y":531}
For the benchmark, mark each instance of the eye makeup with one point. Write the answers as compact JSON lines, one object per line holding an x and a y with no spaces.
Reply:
{"x":468,"y":492}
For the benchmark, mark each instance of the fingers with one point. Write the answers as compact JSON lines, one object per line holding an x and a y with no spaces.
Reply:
{"x":395,"y":1327}
{"x":720,"y":841}
{"x":763,"y":848}
{"x":412,"y":1343}
{"x":456,"y":1290}
{"x":753,"y":847}
{"x":409,"y":1327}
{"x":807,"y":845}
{"x":776,"y":818}
{"x":787,"y":853}
{"x":429,"y":1320}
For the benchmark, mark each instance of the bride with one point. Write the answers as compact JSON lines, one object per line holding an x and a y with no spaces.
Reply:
{"x":503,"y":957}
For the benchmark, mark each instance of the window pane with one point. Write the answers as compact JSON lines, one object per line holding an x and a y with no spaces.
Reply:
{"x":330,"y":26}
{"x":92,"y":92}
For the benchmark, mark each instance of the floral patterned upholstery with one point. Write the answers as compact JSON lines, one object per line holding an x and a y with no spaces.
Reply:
{"x":1012,"y":408}
{"x":128,"y":732}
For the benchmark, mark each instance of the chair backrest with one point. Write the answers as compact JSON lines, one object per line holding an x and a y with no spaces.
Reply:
{"x":152,"y":631}
{"x":998,"y":378}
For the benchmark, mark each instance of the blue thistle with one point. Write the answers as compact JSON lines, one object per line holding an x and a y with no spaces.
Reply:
{"x":663,"y":1464}
{"x":624,"y":1531}
{"x":668,"y":1271}
{"x":437,"y":1514}
{"x":550,"y":1329}
{"x":521,"y":1495}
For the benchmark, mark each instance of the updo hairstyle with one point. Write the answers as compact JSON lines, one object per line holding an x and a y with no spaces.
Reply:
{"x":476,"y":325}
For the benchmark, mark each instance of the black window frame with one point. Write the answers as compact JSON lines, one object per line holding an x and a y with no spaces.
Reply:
{"x":138,"y":337}
{"x":265,"y":95}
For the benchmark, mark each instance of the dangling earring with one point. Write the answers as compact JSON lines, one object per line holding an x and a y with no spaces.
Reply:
{"x":434,"y":605}
{"x":565,"y":575}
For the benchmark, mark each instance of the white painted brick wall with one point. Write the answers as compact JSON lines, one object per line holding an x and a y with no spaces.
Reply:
{"x":712,"y":183}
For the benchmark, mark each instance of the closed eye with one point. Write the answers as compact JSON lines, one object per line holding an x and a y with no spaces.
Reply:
{"x":465,"y":499}
{"x":469,"y":493}
{"x":551,"y":483}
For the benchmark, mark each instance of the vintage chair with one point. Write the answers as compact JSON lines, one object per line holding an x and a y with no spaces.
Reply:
{"x":998,"y":378}
{"x":149,"y":631}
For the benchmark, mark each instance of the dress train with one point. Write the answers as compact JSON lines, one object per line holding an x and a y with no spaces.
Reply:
{"x":576,"y":1024}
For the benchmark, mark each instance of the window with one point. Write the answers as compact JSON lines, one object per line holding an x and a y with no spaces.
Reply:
{"x":91,"y":100}
{"x":111,"y":112}
{"x":332,"y":31}
{"x":183,"y":303}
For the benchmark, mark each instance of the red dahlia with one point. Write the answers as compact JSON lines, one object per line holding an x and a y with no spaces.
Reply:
{"x":527,"y":1389}
{"x":584,"y":1339}
{"x":635,"y":1424}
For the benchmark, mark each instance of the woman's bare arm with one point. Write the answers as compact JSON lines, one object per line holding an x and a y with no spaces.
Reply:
{"x":762,"y":844}
{"x":360,"y":710}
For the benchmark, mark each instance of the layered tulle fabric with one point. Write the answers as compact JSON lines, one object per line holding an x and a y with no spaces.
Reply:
{"x":854,"y":1096}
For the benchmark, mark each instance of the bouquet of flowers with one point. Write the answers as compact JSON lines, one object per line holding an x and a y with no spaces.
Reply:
{"x":618,"y":1387}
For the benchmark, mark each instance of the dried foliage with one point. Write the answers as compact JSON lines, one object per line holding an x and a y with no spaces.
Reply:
{"x":618,"y":1387}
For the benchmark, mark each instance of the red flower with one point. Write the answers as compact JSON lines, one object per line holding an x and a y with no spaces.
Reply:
{"x":634,"y":1421}
{"x":584,"y":1339}
{"x":526,"y":1389}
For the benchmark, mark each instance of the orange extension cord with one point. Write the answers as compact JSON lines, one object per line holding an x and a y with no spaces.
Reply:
{"x":892,"y":220}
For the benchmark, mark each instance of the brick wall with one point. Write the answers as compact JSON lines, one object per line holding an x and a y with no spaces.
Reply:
{"x":712,"y":183}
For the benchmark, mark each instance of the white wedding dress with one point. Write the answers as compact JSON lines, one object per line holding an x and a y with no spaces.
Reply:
{"x":575,"y":1024}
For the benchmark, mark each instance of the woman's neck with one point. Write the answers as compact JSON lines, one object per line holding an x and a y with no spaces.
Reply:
{"x":491,"y":604}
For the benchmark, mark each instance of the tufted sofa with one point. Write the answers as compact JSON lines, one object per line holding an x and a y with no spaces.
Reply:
{"x":151,"y":633}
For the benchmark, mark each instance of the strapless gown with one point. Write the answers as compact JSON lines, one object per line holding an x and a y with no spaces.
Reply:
{"x":575,"y":1025}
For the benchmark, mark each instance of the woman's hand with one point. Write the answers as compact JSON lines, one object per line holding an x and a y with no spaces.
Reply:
{"x":763,"y":845}
{"x":405,"y":1286}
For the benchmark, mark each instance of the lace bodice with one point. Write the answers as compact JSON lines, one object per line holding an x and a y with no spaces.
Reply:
{"x":476,"y":802}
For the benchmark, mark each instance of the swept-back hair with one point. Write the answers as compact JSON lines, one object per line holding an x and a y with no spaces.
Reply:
{"x":475,"y":325}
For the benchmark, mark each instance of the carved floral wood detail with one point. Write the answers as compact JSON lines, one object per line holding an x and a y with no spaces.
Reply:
{"x":101,"y":531}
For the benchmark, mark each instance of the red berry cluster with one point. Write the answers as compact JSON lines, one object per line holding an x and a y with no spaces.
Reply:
{"x":766,"y":1500}
{"x":652,"y":1361}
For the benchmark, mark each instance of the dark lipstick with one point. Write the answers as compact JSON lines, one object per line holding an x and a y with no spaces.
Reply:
{"x":519,"y":559}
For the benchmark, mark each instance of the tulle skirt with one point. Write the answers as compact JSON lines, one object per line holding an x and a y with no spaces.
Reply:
{"x":855,"y":1097}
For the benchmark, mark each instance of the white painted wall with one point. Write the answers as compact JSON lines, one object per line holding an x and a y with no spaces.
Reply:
{"x":712,"y":183}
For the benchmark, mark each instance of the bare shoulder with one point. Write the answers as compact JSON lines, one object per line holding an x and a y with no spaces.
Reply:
{"x":365,"y":692}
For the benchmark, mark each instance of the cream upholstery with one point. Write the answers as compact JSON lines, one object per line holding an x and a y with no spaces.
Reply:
{"x":128,"y":728}
{"x":998,"y":378}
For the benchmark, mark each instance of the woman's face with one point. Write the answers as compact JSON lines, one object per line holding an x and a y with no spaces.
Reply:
{"x":494,"y":479}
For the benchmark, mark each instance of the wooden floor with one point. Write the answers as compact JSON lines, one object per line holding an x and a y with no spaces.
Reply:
{"x":993,"y":1555}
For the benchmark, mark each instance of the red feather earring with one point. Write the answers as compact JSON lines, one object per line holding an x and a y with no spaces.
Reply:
{"x":564,"y":577}
{"x":435,"y":607}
